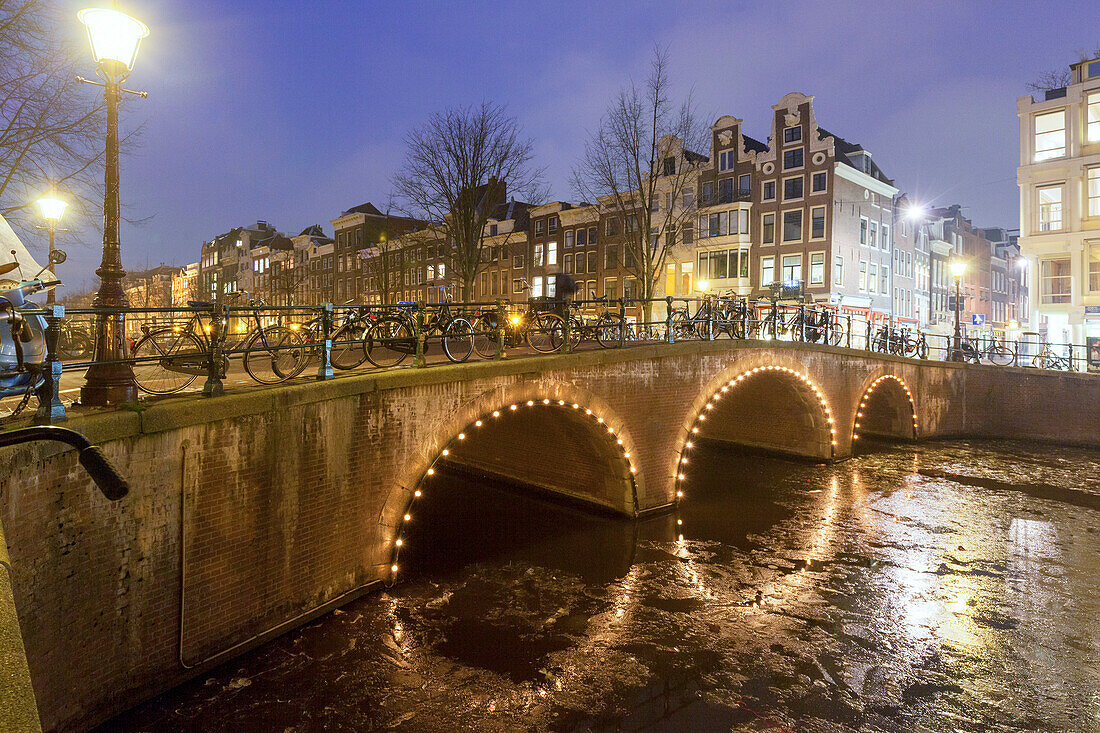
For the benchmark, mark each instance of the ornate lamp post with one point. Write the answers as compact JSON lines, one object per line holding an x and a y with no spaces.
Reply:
{"x":958,"y":267}
{"x":51,"y":209}
{"x":114,"y":37}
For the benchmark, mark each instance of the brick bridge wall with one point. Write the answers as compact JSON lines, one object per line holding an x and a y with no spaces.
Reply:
{"x":255,"y":511}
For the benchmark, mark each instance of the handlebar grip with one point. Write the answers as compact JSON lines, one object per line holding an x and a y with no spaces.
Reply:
{"x":113,"y":486}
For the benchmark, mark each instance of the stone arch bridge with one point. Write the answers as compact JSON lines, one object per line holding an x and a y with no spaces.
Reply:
{"x":253,"y":512}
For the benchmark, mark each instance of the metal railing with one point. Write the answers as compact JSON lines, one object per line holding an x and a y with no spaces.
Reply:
{"x":169,"y":349}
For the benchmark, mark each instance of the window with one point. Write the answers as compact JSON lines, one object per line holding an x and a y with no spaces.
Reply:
{"x":592,"y":263}
{"x":792,"y":159}
{"x":1092,"y":121}
{"x":817,"y":268}
{"x":716,"y":225}
{"x":862,"y":231}
{"x":569,"y":239}
{"x":886,"y":236}
{"x":792,"y":188}
{"x":519,"y":260}
{"x":708,"y":193}
{"x":1094,"y":266}
{"x":739,"y":221}
{"x":552,"y":252}
{"x":553,"y":225}
{"x":704,"y":266}
{"x":817,"y":222}
{"x":567,"y":263}
{"x":768,"y":229}
{"x":630,"y":289}
{"x":431,"y":272}
{"x":442,"y":270}
{"x":1094,"y":191}
{"x":862,"y":275}
{"x":610,"y":288}
{"x":769,"y":191}
{"x":540,"y":226}
{"x":838,"y":271}
{"x":872,"y":273}
{"x":670,"y":166}
{"x":579,"y":264}
{"x":1054,"y":277}
{"x":792,"y":225}
{"x":744,"y":185}
{"x":873,"y":238}
{"x":517,"y":286}
{"x":726,"y":160}
{"x":819,"y":182}
{"x":792,"y":268}
{"x":582,"y":237}
{"x":538,"y":260}
{"x":884,"y":282}
{"x":792,"y":134}
{"x":592,"y":234}
{"x":767,"y":271}
{"x":689,"y":197}
{"x":612,"y":226}
{"x":632,"y":223}
{"x":719,"y":264}
{"x":611,"y":257}
{"x":668,"y":201}
{"x":536,"y":287}
{"x":1050,"y":135}
{"x":725,"y":191}
{"x":688,"y":233}
{"x":1050,"y":208}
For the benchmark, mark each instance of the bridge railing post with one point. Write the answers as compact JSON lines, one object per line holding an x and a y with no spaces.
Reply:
{"x":502,"y":328}
{"x":775,"y":320}
{"x":324,"y":370}
{"x":566,"y":311}
{"x":867,"y":336}
{"x":622,"y":323}
{"x":848,"y":337}
{"x":219,"y":317}
{"x":50,"y":409}
{"x":418,"y":333}
{"x":669,"y":336}
{"x":802,"y":322}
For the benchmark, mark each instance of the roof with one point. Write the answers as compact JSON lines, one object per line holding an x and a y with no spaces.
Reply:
{"x":364,"y":208}
{"x":752,"y":143}
{"x":692,"y":157}
{"x":846,"y":151}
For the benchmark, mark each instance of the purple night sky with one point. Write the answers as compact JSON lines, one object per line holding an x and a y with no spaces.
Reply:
{"x":294,"y":111}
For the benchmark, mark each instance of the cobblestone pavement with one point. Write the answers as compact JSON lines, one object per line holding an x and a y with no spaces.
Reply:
{"x":941,"y":587}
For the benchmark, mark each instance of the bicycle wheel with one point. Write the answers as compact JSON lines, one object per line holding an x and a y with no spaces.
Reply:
{"x":75,"y":345}
{"x":156,"y":376}
{"x":836,"y":333}
{"x":1000,"y":355}
{"x":274,"y":354}
{"x":578,"y":332}
{"x":347,"y":347}
{"x":546,"y":332}
{"x":458,"y":340}
{"x":486,"y":335}
{"x":389,"y":342}
{"x":608,"y":330}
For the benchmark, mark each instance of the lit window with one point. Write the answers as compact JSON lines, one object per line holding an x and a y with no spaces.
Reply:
{"x":838,"y":271}
{"x":1094,"y":267}
{"x":552,"y":251}
{"x":1050,"y":208}
{"x":817,"y":268}
{"x":1094,"y":192}
{"x":1093,"y":119}
{"x":1054,"y":277}
{"x":767,"y":271}
{"x":862,"y":275}
{"x":1050,"y":135}
{"x":792,"y":269}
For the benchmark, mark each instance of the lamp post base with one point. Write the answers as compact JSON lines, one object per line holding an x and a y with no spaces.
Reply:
{"x":109,"y":384}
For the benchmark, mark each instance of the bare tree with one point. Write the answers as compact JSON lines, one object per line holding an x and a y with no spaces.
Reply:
{"x":643,"y":150}
{"x":53,"y":130}
{"x":388,"y":260}
{"x":458,"y":167}
{"x":1059,"y":78}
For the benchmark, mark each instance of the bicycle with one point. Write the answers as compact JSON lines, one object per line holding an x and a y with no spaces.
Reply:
{"x":542,"y":330}
{"x":168,"y":360}
{"x":996,"y":351}
{"x":1048,"y":359}
{"x":608,"y":329}
{"x":391,"y":339}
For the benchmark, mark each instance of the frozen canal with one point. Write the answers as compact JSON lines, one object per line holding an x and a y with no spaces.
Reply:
{"x":942,"y":587}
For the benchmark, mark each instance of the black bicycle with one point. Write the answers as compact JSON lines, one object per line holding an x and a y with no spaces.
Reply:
{"x":392,"y":337}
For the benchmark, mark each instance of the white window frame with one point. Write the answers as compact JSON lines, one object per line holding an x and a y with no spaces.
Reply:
{"x":1092,"y":191}
{"x":1051,"y":143}
{"x":817,"y":259}
{"x":767,"y":264}
{"x":1052,"y":213}
{"x":824,"y":222}
{"x":794,"y":198}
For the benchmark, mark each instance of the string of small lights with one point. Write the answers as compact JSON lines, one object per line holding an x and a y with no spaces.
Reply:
{"x":694,"y":431}
{"x":621,"y":447}
{"x":867,"y":396}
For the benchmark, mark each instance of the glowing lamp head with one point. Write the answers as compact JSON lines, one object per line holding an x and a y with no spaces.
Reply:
{"x":114,"y":37}
{"x":702,"y":285}
{"x":958,"y":268}
{"x":514,"y":320}
{"x":915,"y":212}
{"x":51,"y":207}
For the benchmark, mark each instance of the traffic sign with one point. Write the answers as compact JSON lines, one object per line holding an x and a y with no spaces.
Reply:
{"x":977,"y":319}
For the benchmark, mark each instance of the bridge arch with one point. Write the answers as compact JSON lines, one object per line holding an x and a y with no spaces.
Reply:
{"x":556,"y":437}
{"x":886,"y":409}
{"x":771,"y":406}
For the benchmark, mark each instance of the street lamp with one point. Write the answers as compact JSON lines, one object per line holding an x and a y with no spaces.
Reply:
{"x":114,"y":37}
{"x":958,"y":267}
{"x":51,"y":208}
{"x":702,"y":285}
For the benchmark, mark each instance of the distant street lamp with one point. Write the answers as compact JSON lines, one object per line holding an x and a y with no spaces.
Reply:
{"x":114,"y":37}
{"x":51,"y":209}
{"x":958,"y":267}
{"x":702,"y":285}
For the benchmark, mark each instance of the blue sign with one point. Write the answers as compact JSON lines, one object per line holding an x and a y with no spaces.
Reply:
{"x":977,"y":319}
{"x":1092,"y":310}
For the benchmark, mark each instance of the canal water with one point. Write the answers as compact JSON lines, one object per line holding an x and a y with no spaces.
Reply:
{"x":943,"y":587}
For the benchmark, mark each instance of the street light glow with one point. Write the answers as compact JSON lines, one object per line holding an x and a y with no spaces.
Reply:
{"x":958,"y":267}
{"x":114,"y":37}
{"x":702,"y":285}
{"x":915,"y":212}
{"x":51,"y":207}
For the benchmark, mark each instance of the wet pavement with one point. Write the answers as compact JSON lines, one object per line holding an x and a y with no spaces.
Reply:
{"x":941,"y":587}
